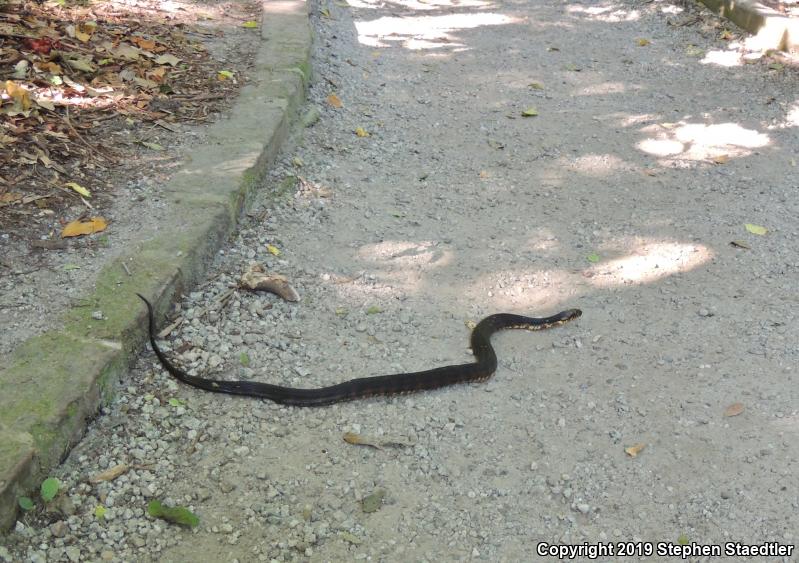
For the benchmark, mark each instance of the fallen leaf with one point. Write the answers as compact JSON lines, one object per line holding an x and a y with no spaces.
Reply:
{"x":334,"y":101}
{"x":46,"y":104}
{"x":297,"y":161}
{"x":19,"y":93}
{"x":80,"y":64}
{"x":593,"y":258}
{"x":325,"y":12}
{"x":643,"y":42}
{"x":740,"y":244}
{"x":77,"y":228}
{"x":167,"y":59}
{"x":99,"y":512}
{"x":721,"y":159}
{"x":78,"y":188}
{"x":726,"y":35}
{"x":360,"y":440}
{"x":756,"y":229}
{"x":530,"y":112}
{"x":126,"y":51}
{"x":634,"y":450}
{"x":372,"y":502}
{"x":374,"y":442}
{"x":373,"y":310}
{"x":536,"y":86}
{"x":110,"y":474}
{"x":151,"y":146}
{"x":224,"y":74}
{"x":273,"y":250}
{"x":734,"y":409}
{"x":252,"y":24}
{"x":85,"y":30}
{"x":361,"y":132}
{"x":483,"y":174}
{"x":776,"y":66}
{"x":142,"y":43}
{"x":176,"y":514}
{"x":256,"y":279}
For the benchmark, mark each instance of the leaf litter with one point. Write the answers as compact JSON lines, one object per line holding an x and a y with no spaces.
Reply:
{"x":84,"y":83}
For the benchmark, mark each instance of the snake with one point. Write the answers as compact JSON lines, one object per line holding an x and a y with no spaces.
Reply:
{"x":480,"y":370}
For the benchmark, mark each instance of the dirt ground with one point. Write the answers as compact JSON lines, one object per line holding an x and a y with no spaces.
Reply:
{"x":652,"y":183}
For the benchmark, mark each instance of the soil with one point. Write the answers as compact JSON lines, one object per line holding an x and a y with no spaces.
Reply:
{"x":653,"y":185}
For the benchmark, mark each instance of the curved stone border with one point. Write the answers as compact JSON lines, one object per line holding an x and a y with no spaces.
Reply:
{"x":55,"y":382}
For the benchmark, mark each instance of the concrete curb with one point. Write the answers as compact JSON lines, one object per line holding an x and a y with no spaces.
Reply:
{"x":55,"y":382}
{"x":769,"y":28}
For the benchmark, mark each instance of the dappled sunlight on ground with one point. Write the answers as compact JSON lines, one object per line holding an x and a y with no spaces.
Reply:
{"x":698,"y":141}
{"x":649,"y":262}
{"x":728,"y":58}
{"x":422,"y":5}
{"x":424,"y":32}
{"x":544,"y":239}
{"x":791,"y":118}
{"x":606,"y":13}
{"x":405,"y":267}
{"x":404,"y":254}
{"x":598,"y":164}
{"x":603,"y":88}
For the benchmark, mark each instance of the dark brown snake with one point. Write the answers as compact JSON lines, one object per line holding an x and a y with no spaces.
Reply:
{"x":363,"y":387}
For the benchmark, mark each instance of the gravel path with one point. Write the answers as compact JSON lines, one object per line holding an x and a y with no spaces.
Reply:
{"x":621,"y":198}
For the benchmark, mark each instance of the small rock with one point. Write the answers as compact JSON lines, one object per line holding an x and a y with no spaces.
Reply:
{"x":58,"y":529}
{"x":73,"y":553}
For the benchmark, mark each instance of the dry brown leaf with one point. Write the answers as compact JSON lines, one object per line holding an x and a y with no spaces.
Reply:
{"x":634,"y":450}
{"x":143,"y":43}
{"x":110,"y":474}
{"x":734,"y":409}
{"x":77,"y":228}
{"x":256,"y":279}
{"x":721,"y":159}
{"x":358,"y":440}
{"x":22,"y":98}
{"x":374,"y":442}
{"x":334,"y":101}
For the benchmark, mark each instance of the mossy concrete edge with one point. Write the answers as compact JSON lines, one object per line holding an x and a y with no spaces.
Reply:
{"x":61,"y":378}
{"x":770,"y":29}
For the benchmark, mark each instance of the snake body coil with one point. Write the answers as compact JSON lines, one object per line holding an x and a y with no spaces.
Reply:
{"x":482,"y":369}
